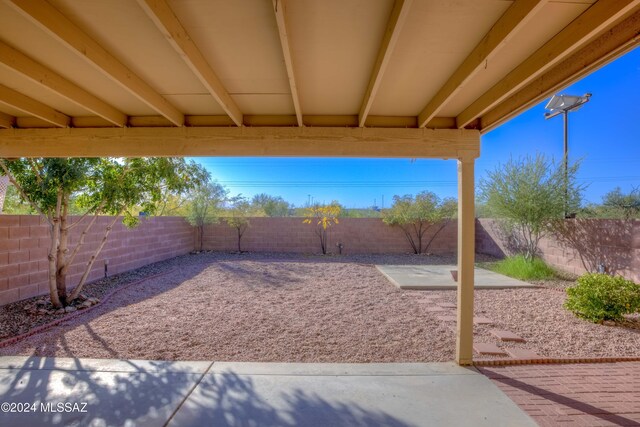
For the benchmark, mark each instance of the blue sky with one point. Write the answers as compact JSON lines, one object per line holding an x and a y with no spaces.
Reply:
{"x":605,"y":134}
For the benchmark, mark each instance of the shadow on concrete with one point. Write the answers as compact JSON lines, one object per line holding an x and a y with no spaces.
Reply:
{"x":152,"y":393}
{"x":229,"y":399}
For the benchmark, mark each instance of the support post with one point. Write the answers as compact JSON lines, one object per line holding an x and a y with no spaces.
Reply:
{"x":566,"y":163}
{"x":466,"y":257}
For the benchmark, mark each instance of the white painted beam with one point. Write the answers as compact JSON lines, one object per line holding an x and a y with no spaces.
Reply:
{"x":516,"y":17}
{"x":621,"y":39}
{"x":600,"y":16}
{"x":240,"y":141}
{"x":59,"y":26}
{"x":42,"y":75}
{"x":167,"y":22}
{"x":6,"y":121}
{"x":279,"y":8}
{"x":32,"y":107}
{"x":397,"y":19}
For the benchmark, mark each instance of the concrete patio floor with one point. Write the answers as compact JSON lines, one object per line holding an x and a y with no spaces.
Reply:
{"x":101,"y":392}
{"x":438,"y":277}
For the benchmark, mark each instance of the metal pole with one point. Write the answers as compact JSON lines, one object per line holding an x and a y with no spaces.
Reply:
{"x":566,"y":163}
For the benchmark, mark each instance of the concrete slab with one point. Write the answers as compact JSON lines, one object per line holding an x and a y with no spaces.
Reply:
{"x":425,"y":277}
{"x":133,"y":394}
{"x":157,"y":393}
{"x":413,"y":395}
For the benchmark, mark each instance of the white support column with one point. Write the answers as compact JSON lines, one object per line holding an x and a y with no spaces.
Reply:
{"x":466,"y":258}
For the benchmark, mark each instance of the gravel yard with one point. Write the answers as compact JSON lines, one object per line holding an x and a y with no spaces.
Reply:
{"x":293,"y":308}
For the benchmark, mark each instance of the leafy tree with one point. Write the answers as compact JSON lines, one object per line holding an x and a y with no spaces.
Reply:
{"x":206,"y":201}
{"x":100,"y":186}
{"x":529,"y":195}
{"x":13,"y":204}
{"x":271,"y":205}
{"x":622,"y":205}
{"x":324,"y":216}
{"x":416,"y":216}
{"x":238,"y":216}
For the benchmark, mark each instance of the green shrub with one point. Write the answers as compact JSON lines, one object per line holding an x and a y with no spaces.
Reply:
{"x":599,"y":297}
{"x":521,"y":268}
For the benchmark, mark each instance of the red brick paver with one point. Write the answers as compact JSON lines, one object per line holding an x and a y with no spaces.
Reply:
{"x":522,"y":353}
{"x":506,"y":335}
{"x":590,"y":394}
{"x":482,"y":321}
{"x":487,"y":348}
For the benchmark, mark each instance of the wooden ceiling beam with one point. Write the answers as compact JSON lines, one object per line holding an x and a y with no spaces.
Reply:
{"x":621,"y":39}
{"x":580,"y":31}
{"x":32,"y":107}
{"x":167,"y":22}
{"x":46,"y":77}
{"x":241,"y":141}
{"x":279,"y":8}
{"x":518,"y":14}
{"x":7,"y":121}
{"x":398,"y":17}
{"x":55,"y":23}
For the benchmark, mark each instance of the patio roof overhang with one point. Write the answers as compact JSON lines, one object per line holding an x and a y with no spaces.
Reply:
{"x":215,"y":64}
{"x":331,"y":78}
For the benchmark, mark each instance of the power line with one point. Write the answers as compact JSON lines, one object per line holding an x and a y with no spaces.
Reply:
{"x":386,"y":184}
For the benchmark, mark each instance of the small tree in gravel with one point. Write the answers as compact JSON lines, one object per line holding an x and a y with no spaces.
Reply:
{"x":238,"y":217}
{"x":323,"y":217}
{"x":100,"y":186}
{"x":416,"y":216}
{"x":206,"y":201}
{"x":528,"y":194}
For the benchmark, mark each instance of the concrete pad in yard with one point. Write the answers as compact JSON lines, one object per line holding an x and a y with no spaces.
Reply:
{"x":94,"y":392}
{"x":425,"y":277}
{"x":234,"y":394}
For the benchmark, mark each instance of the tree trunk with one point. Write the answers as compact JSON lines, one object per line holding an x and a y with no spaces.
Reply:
{"x":61,"y":255}
{"x":201,"y":230}
{"x":54,"y":232}
{"x":93,"y":258}
{"x":407,"y":234}
{"x":444,"y":224}
{"x":239,"y":238}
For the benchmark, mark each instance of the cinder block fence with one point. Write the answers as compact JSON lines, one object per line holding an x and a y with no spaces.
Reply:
{"x":24,"y":243}
{"x":357,"y":235}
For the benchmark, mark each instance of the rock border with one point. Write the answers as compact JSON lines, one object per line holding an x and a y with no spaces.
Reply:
{"x":69,"y":316}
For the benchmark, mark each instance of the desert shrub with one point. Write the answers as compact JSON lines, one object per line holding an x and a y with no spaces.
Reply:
{"x":599,"y":297}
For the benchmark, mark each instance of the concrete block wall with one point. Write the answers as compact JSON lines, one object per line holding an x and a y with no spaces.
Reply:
{"x":24,"y":245}
{"x":358,"y":236}
{"x":585,"y":244}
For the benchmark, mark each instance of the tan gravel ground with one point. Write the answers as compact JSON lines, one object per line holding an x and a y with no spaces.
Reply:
{"x":537,"y":315}
{"x":292,"y":308}
{"x":255,"y":308}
